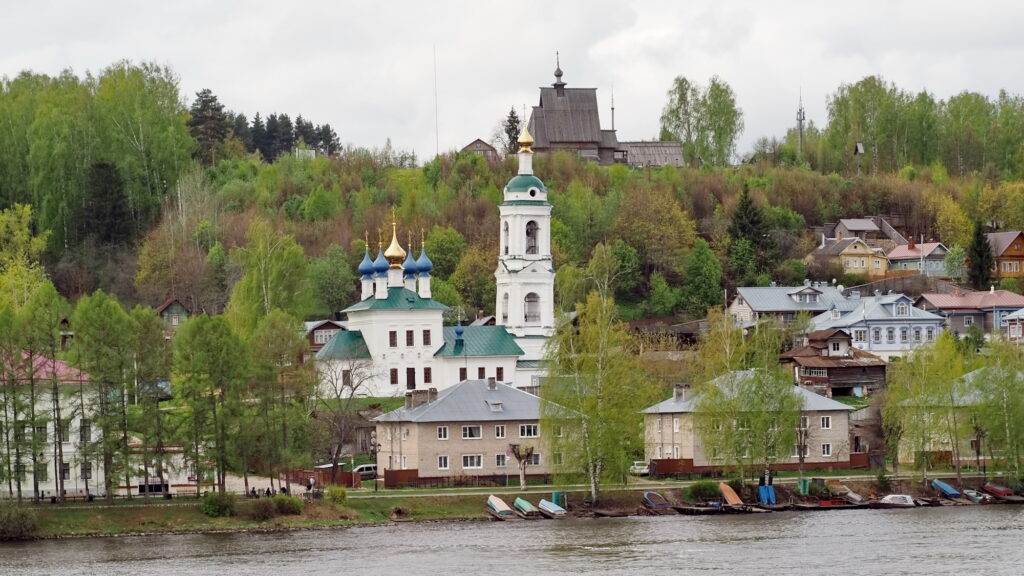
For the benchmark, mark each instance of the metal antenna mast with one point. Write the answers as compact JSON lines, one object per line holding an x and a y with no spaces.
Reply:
{"x":800,"y":117}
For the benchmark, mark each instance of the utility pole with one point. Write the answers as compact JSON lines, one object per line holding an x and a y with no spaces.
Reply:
{"x":800,"y":117}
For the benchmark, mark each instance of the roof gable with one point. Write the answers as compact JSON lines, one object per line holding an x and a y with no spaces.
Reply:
{"x":471,"y":401}
{"x":1000,"y":241}
{"x":345,"y":345}
{"x":811,"y":401}
{"x":399,"y":298}
{"x":479,"y":341}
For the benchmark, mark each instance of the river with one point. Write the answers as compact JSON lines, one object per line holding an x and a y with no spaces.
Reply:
{"x":952,"y":540}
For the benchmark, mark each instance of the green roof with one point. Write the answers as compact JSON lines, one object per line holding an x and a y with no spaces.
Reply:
{"x":526,"y":203}
{"x":345,"y":345}
{"x":398,"y":299}
{"x":523,"y":182}
{"x":479,"y":341}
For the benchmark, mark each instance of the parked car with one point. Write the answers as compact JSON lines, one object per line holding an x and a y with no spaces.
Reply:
{"x":366,"y":471}
{"x":639,"y":468}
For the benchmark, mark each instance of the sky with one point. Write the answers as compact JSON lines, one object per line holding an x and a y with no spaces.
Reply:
{"x":435,"y":75}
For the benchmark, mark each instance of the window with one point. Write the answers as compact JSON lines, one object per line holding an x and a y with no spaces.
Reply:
{"x":405,"y":433}
{"x":428,"y":375}
{"x":393,"y":339}
{"x":410,"y":338}
{"x":533,"y":459}
{"x":175,"y":319}
{"x":442,"y":432}
{"x":826,"y":449}
{"x":675,"y":424}
{"x":410,"y":378}
{"x":929,"y":333}
{"x":499,"y":374}
{"x":86,"y":470}
{"x":814,"y":372}
{"x":835,"y":346}
{"x":804,"y":422}
{"x":323,"y":336}
{"x":904,"y":334}
{"x":471,"y":461}
{"x":346,"y":378}
{"x":531,"y":237}
{"x":863,"y":263}
{"x":499,"y":460}
{"x":85,"y":432}
{"x":743,"y":423}
{"x":797,"y":450}
{"x":876,"y":335}
{"x":658,"y":453}
{"x":481,"y":372}
{"x":462,"y":374}
{"x":890,"y":335}
{"x":528,"y":431}
{"x":835,"y":314}
{"x":64,"y":431}
{"x":442,"y":462}
{"x":426,"y":337}
{"x":556,"y":458}
{"x":860,"y":335}
{"x":40,"y":432}
{"x":968,"y":320}
{"x":65,"y":471}
{"x":917,"y":334}
{"x":471,"y":433}
{"x":394,"y":376}
{"x":504,"y":237}
{"x":499,"y":430}
{"x":558,"y":431}
{"x":675,"y":452}
{"x":878,"y":263}
{"x":826,"y":422}
{"x":716,"y":424}
{"x":496,"y":406}
{"x":532,"y":309}
{"x":902,"y":309}
{"x":657,"y":425}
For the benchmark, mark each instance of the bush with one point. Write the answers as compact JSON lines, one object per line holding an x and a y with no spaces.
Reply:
{"x":262,"y":509}
{"x":288,"y":504}
{"x":337,"y":495}
{"x":882,"y":481}
{"x":218,"y":504}
{"x":17,"y":522}
{"x":704,"y":490}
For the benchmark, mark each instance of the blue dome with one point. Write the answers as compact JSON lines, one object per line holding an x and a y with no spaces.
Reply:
{"x":380,"y":265}
{"x":459,"y":330}
{"x":409,"y":265}
{"x":366,"y":266}
{"x":423,"y":264}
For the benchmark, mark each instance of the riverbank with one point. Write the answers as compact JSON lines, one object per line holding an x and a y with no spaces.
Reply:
{"x":366,"y":509}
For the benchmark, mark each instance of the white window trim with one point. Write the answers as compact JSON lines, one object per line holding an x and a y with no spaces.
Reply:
{"x":499,"y":430}
{"x":826,"y":449}
{"x":447,"y":462}
{"x":525,"y":427}
{"x":479,"y":457}
{"x":442,"y":433}
{"x":468,"y":427}
{"x":826,"y":422}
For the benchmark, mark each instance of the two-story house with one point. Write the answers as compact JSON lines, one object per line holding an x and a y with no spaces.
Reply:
{"x":928,"y":258}
{"x":173,"y":313}
{"x":320,"y":332}
{"x":670,"y":433}
{"x":829,"y":365}
{"x":1008,"y":253}
{"x":462,"y":431}
{"x":783,"y":303}
{"x":854,"y":255}
{"x":886,"y":325}
{"x":989,"y":309}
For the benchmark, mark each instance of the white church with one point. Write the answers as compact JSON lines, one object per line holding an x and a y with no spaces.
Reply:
{"x":393,"y":340}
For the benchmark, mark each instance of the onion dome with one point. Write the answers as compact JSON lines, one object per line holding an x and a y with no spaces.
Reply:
{"x":525,"y":141}
{"x":380,"y":265}
{"x":410,"y":265}
{"x":459,"y":330}
{"x":366,"y":266}
{"x":394,"y":253}
{"x":423,"y":264}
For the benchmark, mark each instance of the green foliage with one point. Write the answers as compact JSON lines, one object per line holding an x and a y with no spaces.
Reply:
{"x":954,"y":262}
{"x":474,"y":279}
{"x":208,"y":124}
{"x":703,"y":490}
{"x":979,"y":253}
{"x":705,"y":120}
{"x":663,"y":299}
{"x":333,"y":280}
{"x":288,"y":505}
{"x":275,"y":277}
{"x":321,"y":204}
{"x":883,"y":483}
{"x":445,"y":247}
{"x":262,"y":509}
{"x":20,"y":270}
{"x":337,"y":495}
{"x":1010,"y":284}
{"x":204,"y":235}
{"x":218,"y":504}
{"x":702,"y":287}
{"x":17,"y":522}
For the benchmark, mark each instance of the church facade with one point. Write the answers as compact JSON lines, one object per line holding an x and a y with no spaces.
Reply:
{"x":394,"y":341}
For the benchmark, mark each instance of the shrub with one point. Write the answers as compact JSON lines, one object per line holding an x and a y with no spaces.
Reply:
{"x":704,"y":490}
{"x":17,"y":522}
{"x":882,"y":481}
{"x":337,"y":495}
{"x":287,"y":504}
{"x":262,"y":509}
{"x":218,"y":504}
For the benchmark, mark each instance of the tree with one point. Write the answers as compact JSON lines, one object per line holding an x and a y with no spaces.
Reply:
{"x":341,"y":383}
{"x":954,"y":262}
{"x":590,"y":405}
{"x":706,"y":121}
{"x":106,"y":214}
{"x":20,"y":251}
{"x":208,"y":124}
{"x":332,"y":279}
{"x":663,"y":299}
{"x":474,"y":279}
{"x":748,"y":222}
{"x":151,"y":361}
{"x":979,"y":254}
{"x":511,"y":129}
{"x":702,"y":280}
{"x":1000,"y":410}
{"x":445,"y":247}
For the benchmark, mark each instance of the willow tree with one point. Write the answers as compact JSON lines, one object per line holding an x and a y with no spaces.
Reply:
{"x":595,"y":390}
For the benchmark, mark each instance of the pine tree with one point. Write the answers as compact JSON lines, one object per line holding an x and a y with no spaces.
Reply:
{"x":748,"y":223}
{"x":702,"y":287}
{"x":208,"y":125}
{"x":259,"y":135}
{"x":243,"y":133}
{"x":979,"y":273}
{"x":511,"y":128}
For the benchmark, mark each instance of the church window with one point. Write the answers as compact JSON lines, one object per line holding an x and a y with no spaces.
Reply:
{"x":532,"y":307}
{"x":462,"y":374}
{"x":504,"y":237}
{"x":393,"y":339}
{"x":531,"y":237}
{"x":410,"y":339}
{"x":428,"y":376}
{"x":394,"y":376}
{"x":500,"y":374}
{"x":410,"y":378}
{"x":426,"y":337}
{"x":481,"y":372}
{"x":504,"y":308}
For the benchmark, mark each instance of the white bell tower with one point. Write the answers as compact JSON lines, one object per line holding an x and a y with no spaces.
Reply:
{"x":525,"y":275}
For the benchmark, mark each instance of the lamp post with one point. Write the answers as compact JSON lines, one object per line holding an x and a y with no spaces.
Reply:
{"x":374,"y":448}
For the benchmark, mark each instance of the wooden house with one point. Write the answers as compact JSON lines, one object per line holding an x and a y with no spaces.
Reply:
{"x":173,"y":313}
{"x":1008,"y":253}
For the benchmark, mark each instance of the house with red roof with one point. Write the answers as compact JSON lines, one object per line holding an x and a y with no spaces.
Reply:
{"x":928,"y":258}
{"x":988,"y":308}
{"x":830,"y":365}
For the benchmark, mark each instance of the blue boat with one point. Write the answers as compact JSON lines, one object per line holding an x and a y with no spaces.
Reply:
{"x":498,"y":510}
{"x":656,"y":503}
{"x":550,"y":509}
{"x":946,"y":490}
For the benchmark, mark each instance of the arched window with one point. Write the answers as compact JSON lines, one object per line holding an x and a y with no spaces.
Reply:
{"x":504,"y":237}
{"x":531,"y":237}
{"x":504,"y":308}
{"x":532,"y":307}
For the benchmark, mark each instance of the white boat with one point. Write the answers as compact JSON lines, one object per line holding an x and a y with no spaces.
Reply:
{"x":497,"y":508}
{"x":551,"y":510}
{"x":894,"y":501}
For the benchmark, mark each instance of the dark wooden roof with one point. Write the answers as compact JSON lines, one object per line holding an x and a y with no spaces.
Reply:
{"x":573,"y":118}
{"x":653,"y":153}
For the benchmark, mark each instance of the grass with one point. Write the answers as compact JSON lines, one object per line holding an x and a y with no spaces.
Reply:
{"x":853,"y":401}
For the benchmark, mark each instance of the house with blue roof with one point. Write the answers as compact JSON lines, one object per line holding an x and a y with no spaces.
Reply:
{"x":393,"y":339}
{"x":887,"y":325}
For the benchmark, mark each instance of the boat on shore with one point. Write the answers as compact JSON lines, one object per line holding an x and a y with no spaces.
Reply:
{"x":498,"y":509}
{"x":656,"y":504}
{"x":1002,"y":493}
{"x":829,"y":504}
{"x":979,"y":497}
{"x":525,"y":510}
{"x":945,"y":489}
{"x":608,"y":513}
{"x":549,"y":509}
{"x":893,"y":501}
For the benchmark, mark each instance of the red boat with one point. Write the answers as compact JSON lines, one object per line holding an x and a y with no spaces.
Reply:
{"x":1002,"y":493}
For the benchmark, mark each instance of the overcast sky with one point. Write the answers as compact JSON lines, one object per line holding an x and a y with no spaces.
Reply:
{"x":368,"y":68}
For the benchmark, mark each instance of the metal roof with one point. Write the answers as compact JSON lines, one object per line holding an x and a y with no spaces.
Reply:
{"x":763,"y":299}
{"x":398,"y":299}
{"x":928,"y":249}
{"x":981,"y":300}
{"x":859,"y":224}
{"x":653,"y":153}
{"x":471,"y":401}
{"x":872,"y":308}
{"x":345,"y":345}
{"x":572,"y":118}
{"x":812,"y":401}
{"x":479,"y":341}
{"x":1000,"y":241}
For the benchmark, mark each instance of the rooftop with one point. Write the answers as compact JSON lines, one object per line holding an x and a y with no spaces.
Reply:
{"x":398,"y":299}
{"x":471,"y":401}
{"x":980,"y":300}
{"x":479,"y":341}
{"x":812,"y":401}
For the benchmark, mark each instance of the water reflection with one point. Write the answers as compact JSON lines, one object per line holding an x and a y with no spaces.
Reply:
{"x":977,"y":540}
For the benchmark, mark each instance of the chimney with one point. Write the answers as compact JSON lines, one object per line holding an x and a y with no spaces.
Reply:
{"x":910,"y":242}
{"x":414,"y":398}
{"x":431,"y":395}
{"x":878,"y":293}
{"x":479,"y":314}
{"x":681,"y":392}
{"x":492,"y":384}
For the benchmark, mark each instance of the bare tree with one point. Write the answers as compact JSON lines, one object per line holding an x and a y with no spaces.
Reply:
{"x":341,"y":383}
{"x":523,"y":456}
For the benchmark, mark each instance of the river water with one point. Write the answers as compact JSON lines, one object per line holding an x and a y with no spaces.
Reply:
{"x":952,"y":540}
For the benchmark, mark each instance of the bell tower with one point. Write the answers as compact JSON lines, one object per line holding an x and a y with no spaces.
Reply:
{"x":525,"y":276}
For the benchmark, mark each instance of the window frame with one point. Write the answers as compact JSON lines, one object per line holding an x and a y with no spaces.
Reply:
{"x":467,"y":430}
{"x":447,"y":462}
{"x":392,"y":338}
{"x":535,"y":428}
{"x":826,"y":422}
{"x":826,"y":449}
{"x":468,"y":458}
{"x":499,"y":431}
{"x":442,"y":433}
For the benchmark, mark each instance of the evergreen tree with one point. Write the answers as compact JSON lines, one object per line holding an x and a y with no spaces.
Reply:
{"x":748,"y":222}
{"x":208,"y":125}
{"x":328,"y":142}
{"x":107,"y":217}
{"x":306,"y":132}
{"x":979,"y":273}
{"x":259,"y":136}
{"x":511,"y":128}
{"x":702,"y":284}
{"x":285,"y":134}
{"x":242,"y":132}
{"x":271,"y":145}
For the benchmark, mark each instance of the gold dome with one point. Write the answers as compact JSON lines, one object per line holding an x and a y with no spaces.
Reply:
{"x":525,"y":141}
{"x":394,"y":254}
